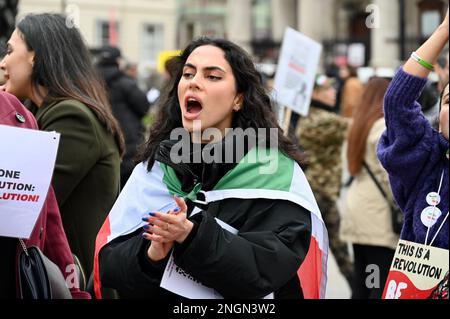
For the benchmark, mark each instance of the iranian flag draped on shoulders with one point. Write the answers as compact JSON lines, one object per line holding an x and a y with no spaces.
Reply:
{"x":152,"y":191}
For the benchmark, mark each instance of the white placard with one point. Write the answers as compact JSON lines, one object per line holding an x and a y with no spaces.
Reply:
{"x":27,"y":160}
{"x":356,"y":54}
{"x":297,"y":68}
{"x":181,"y":283}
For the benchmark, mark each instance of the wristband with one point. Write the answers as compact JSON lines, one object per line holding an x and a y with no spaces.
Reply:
{"x":422,"y":62}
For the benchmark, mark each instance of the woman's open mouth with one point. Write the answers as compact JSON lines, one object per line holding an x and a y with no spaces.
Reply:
{"x":193,"y":109}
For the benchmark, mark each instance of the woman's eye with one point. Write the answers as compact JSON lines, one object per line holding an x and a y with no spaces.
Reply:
{"x":188,"y":75}
{"x":214,"y":78}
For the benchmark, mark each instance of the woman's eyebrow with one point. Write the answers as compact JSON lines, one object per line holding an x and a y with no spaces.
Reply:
{"x":191,"y":66}
{"x":208,"y":68}
{"x":214,"y":68}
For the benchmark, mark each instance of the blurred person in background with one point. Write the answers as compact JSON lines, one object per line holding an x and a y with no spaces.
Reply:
{"x":442,"y":69}
{"x":350,"y":91}
{"x":129,"y":105}
{"x":68,"y":97}
{"x":366,"y":220}
{"x":131,"y":70}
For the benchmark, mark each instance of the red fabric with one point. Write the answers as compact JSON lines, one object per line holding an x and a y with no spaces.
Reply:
{"x":101,"y":240}
{"x":48,"y":233}
{"x":310,"y":272}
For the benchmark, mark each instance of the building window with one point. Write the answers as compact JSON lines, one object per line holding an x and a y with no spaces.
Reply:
{"x":152,"y":42}
{"x":430,"y":20}
{"x":430,"y":13}
{"x":261,"y":19}
{"x":103,"y":32}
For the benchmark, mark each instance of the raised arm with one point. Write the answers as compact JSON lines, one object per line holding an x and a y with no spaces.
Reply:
{"x":429,"y":51}
{"x":409,"y":140}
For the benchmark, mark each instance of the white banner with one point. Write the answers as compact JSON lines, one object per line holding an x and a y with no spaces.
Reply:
{"x":297,"y":68}
{"x":27,"y":160}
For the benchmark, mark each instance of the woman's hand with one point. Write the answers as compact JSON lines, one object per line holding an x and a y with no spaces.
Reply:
{"x":158,"y":251}
{"x":164,"y":229}
{"x":172,"y":227}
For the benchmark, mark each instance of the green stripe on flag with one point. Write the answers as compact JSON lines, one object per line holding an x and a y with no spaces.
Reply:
{"x":174,"y":185}
{"x":261,"y":168}
{"x":252,"y":172}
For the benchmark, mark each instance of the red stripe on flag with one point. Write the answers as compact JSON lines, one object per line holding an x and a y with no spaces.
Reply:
{"x":310,"y":272}
{"x":100,"y":241}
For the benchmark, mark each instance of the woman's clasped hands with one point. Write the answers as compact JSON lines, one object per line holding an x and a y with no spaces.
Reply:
{"x":164,"y":229}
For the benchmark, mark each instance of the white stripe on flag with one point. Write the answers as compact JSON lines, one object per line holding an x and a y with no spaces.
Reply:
{"x":144,"y":192}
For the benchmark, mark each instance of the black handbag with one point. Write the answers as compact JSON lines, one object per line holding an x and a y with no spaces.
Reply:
{"x":396,"y":213}
{"x":39,"y":277}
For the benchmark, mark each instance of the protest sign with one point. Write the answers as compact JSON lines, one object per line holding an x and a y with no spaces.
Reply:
{"x":297,"y":68}
{"x":416,"y":271}
{"x":27,"y":159}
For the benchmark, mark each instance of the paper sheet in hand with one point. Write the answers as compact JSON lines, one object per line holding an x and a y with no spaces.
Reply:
{"x":27,"y":160}
{"x":181,"y":283}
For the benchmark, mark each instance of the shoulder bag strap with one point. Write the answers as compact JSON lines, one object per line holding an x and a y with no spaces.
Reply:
{"x":375,"y":180}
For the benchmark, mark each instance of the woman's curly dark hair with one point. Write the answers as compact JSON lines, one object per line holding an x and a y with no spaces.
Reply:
{"x":256,"y":111}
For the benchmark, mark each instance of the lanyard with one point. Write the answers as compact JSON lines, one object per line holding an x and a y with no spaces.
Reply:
{"x":432,"y":217}
{"x":440,"y":227}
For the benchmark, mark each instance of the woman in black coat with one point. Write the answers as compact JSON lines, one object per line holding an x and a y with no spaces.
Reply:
{"x":244,"y":220}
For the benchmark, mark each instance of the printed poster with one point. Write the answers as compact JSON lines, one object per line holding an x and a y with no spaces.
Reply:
{"x":416,"y":271}
{"x":27,"y":160}
{"x":297,"y":68}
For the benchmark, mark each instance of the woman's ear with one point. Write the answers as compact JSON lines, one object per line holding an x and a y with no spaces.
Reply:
{"x":237,"y":103}
{"x":31,"y":58}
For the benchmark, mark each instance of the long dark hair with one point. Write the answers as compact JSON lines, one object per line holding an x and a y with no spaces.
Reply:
{"x":63,"y":65}
{"x":256,"y":111}
{"x":369,"y":110}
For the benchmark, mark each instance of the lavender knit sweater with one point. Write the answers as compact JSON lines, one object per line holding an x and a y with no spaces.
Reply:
{"x":414,"y":155}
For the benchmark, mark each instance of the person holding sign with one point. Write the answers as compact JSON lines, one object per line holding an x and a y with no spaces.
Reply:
{"x":416,"y":156}
{"x":48,"y":63}
{"x":48,"y":233}
{"x":413,"y":153}
{"x":239,"y":229}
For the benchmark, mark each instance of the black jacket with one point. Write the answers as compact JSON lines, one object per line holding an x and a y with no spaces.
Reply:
{"x":129,"y":105}
{"x":264,"y":257}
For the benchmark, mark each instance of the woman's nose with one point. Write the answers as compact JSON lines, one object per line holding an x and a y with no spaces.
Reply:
{"x":194,"y":82}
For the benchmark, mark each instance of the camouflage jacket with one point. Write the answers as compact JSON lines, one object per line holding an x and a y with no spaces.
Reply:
{"x":322,"y":135}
